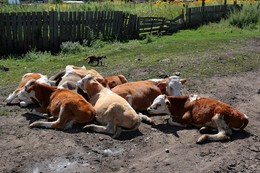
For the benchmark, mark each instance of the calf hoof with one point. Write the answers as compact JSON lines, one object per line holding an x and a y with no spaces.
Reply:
{"x":202,"y":139}
{"x":117,"y":133}
{"x":87,"y":128}
{"x":34,"y":124}
{"x":203,"y":130}
{"x":23,"y":104}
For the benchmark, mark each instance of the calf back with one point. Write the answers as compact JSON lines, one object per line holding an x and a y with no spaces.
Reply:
{"x":142,"y":92}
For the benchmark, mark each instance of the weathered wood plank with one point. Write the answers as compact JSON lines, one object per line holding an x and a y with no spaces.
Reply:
{"x":20,"y":40}
{"x":8,"y":33}
{"x":45,"y":36}
{"x":51,"y":25}
{"x":35,"y":30}
{"x":13,"y":25}
{"x":39,"y":31}
{"x":3,"y":34}
{"x":55,"y":32}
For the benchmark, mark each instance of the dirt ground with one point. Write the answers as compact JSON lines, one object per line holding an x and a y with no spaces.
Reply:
{"x":153,"y":149}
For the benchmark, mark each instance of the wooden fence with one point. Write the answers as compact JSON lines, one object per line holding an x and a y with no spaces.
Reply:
{"x":196,"y":16}
{"x":21,"y":32}
{"x":159,"y":25}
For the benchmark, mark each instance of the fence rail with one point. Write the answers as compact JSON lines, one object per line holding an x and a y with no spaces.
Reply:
{"x":21,"y":32}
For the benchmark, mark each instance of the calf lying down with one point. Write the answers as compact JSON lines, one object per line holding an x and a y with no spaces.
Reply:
{"x":113,"y":113}
{"x":24,"y":100}
{"x":140,"y":94}
{"x":65,"y":105}
{"x":201,"y":112}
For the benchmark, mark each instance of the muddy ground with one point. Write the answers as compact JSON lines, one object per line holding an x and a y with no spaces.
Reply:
{"x":151,"y":149}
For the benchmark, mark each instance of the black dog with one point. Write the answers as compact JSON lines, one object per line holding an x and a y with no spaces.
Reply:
{"x":97,"y":59}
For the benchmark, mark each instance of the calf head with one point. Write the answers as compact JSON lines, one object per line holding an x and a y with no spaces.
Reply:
{"x":30,"y":89}
{"x":37,"y":91}
{"x":159,"y":105}
{"x":89,"y":85}
{"x":174,"y":85}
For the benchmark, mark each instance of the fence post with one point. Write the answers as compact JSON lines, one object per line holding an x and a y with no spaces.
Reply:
{"x":203,"y":11}
{"x":225,"y":8}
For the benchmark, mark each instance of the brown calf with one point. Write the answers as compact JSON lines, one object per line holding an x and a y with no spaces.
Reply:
{"x":68,"y":106}
{"x":140,"y":94}
{"x":202,"y":112}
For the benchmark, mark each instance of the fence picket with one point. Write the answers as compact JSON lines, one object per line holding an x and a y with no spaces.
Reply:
{"x":8,"y":32}
{"x":45,"y":36}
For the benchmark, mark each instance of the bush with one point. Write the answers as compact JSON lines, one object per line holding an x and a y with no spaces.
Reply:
{"x":247,"y":17}
{"x":71,"y":47}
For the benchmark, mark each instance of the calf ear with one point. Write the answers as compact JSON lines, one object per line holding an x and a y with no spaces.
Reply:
{"x":30,"y":83}
{"x":162,"y":87}
{"x":167,"y":102}
{"x":183,"y":81}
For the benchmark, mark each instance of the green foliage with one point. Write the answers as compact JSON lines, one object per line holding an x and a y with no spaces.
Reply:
{"x":149,"y":38}
{"x":71,"y":47}
{"x":248,"y":17}
{"x":32,"y":55}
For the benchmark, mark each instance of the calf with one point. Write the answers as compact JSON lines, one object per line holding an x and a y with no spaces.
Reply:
{"x":114,"y":114}
{"x":113,"y":81}
{"x":202,"y":112}
{"x":67,"y":78}
{"x":174,"y":85}
{"x":68,"y":106}
{"x":140,"y":94}
{"x":24,"y":100}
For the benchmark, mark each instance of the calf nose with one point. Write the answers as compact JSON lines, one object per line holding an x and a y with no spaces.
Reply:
{"x":148,"y":109}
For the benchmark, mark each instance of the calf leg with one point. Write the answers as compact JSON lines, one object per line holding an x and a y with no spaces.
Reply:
{"x":204,"y":130}
{"x":39,"y":113}
{"x":224,"y":132}
{"x":109,"y":128}
{"x":145,"y":118}
{"x":172,"y":123}
{"x":58,"y":124}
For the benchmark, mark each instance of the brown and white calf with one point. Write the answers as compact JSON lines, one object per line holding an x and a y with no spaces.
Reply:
{"x":202,"y":112}
{"x":113,"y":113}
{"x":113,"y":81}
{"x":24,"y":100}
{"x":67,"y":78}
{"x":67,"y":106}
{"x":140,"y":94}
